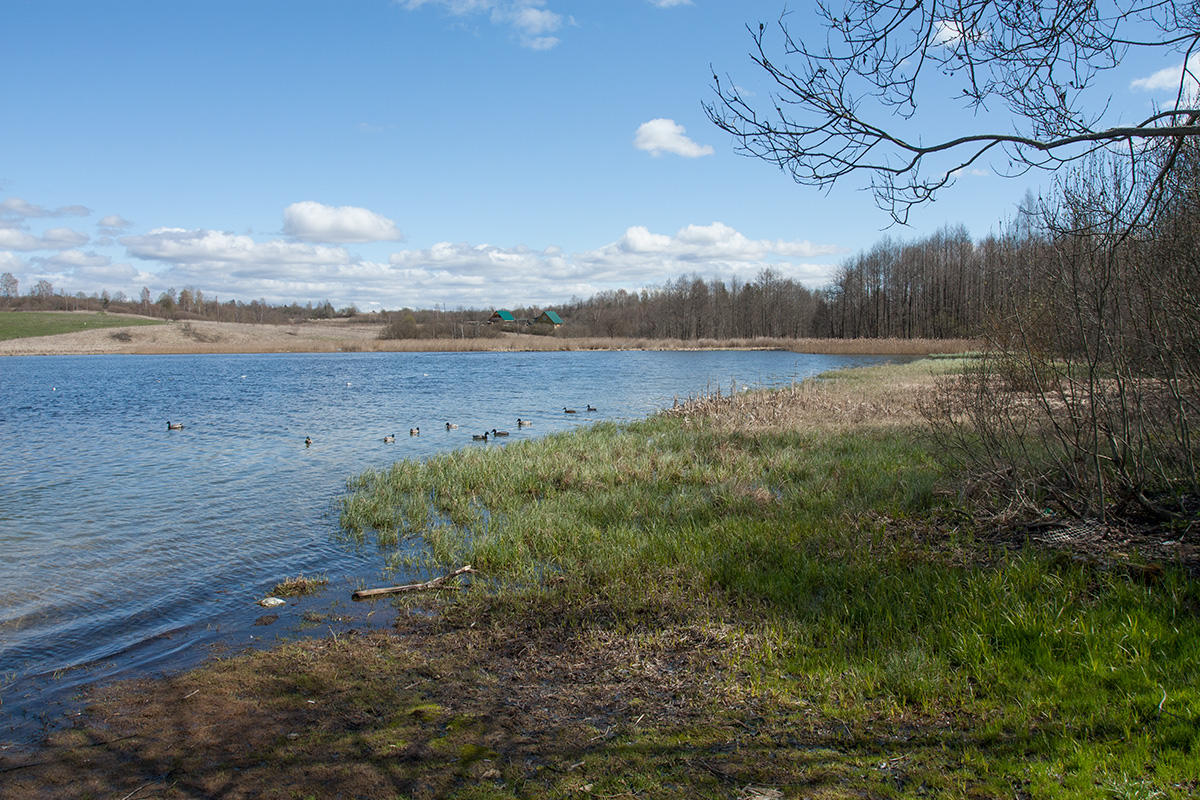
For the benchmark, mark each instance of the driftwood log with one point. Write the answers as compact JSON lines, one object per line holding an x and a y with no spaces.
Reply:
{"x":366,"y":594}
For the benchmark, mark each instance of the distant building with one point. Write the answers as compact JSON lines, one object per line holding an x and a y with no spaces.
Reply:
{"x":500,"y":315}
{"x":549,"y":318}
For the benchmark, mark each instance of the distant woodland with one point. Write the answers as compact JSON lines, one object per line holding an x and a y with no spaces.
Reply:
{"x":940,"y":286}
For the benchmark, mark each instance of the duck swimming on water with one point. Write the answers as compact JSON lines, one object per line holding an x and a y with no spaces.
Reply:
{"x":524,"y":423}
{"x":569,"y":410}
{"x":177,"y":426}
{"x":499,"y":433}
{"x":414,"y":431}
{"x":389,"y":439}
{"x":450,"y":426}
{"x":480,"y":437}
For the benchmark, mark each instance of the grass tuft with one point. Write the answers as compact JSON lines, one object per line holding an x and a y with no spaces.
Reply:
{"x":300,"y":585}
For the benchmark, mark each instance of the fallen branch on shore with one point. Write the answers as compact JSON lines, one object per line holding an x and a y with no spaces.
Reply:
{"x":365,"y":594}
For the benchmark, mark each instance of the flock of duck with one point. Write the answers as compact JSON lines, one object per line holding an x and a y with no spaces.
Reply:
{"x":450,"y":426}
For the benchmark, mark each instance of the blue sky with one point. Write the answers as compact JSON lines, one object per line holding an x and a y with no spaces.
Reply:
{"x":392,"y":153}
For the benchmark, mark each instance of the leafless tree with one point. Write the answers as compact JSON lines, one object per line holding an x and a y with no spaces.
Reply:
{"x":847,"y":90}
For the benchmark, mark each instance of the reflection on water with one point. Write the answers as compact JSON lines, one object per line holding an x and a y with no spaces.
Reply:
{"x":127,"y":546}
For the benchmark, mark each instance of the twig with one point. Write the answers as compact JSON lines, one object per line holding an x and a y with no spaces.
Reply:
{"x":363,"y":594}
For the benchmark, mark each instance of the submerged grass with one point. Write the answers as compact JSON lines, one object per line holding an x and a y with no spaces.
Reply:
{"x":808,"y":516}
{"x":300,"y":586}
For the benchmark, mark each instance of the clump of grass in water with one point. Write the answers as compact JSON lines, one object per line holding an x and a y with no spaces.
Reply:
{"x":300,"y":585}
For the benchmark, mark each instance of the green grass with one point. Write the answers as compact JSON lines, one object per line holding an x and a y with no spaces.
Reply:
{"x":23,"y":324}
{"x":1062,"y":679}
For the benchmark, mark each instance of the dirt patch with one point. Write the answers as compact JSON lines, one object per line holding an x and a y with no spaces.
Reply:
{"x":436,"y":705}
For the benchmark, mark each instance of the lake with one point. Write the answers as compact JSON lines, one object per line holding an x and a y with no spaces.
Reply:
{"x":130,"y":549}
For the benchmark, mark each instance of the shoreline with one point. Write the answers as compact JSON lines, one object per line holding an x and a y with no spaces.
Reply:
{"x":341,"y":336}
{"x":694,"y":646}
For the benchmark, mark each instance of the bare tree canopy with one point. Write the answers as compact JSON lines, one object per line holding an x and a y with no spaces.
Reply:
{"x":845,"y":100}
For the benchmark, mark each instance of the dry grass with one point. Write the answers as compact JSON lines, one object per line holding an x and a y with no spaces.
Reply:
{"x":870,"y":397}
{"x":332,"y":336}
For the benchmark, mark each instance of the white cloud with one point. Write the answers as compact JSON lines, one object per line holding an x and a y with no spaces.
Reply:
{"x":530,"y":19}
{"x":61,"y":238}
{"x":315,"y":222}
{"x":13,"y":237}
{"x":670,"y":3}
{"x":948,"y":32}
{"x":715,"y":242}
{"x":180,"y":247}
{"x":10,"y":262}
{"x":1169,"y":79}
{"x":71,"y":260}
{"x":113,"y":224}
{"x":244,"y":266}
{"x":973,"y":171}
{"x":15,"y":207}
{"x":660,"y":136}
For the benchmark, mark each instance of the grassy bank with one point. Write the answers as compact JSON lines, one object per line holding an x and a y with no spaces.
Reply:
{"x":855,"y":599}
{"x":23,"y":324}
{"x":757,"y":596}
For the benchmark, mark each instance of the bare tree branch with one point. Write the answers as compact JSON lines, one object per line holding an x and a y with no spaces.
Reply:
{"x":845,"y":94}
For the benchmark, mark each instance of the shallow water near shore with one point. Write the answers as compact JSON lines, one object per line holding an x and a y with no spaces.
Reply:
{"x":131,"y":549}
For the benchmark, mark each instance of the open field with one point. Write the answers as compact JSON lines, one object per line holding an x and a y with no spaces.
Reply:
{"x":137,"y":335}
{"x":768,"y":595}
{"x":26,"y":324}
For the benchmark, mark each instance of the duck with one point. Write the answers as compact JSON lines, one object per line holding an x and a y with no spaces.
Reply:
{"x":450,"y":426}
{"x":414,"y":431}
{"x":591,"y":407}
{"x":389,"y":439}
{"x":174,"y":426}
{"x":499,"y":433}
{"x":480,"y":437}
{"x":524,"y":423}
{"x":569,"y":410}
{"x":308,"y":441}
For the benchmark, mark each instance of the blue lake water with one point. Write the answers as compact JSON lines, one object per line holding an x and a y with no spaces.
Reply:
{"x":127,"y":549}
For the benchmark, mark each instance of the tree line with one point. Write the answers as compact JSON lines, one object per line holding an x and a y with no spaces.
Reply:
{"x":945,"y":285}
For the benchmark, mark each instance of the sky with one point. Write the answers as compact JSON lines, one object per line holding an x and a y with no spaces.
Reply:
{"x":420,"y":153}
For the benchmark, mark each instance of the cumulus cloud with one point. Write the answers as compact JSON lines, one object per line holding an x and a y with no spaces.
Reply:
{"x":179,"y":246}
{"x":529,"y":19}
{"x":70,"y":260}
{"x":315,"y":222}
{"x":10,"y":262}
{"x":113,"y":224}
{"x":286,"y":270}
{"x":660,"y":136}
{"x":715,"y":242}
{"x":15,"y":207}
{"x":13,"y":237}
{"x":1170,"y":78}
